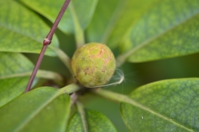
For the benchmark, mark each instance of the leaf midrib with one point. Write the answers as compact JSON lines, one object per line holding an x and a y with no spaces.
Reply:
{"x":129,"y":53}
{"x":125,"y":99}
{"x":31,"y":116}
{"x":132,"y":102}
{"x":112,"y":21}
{"x":23,"y":74}
{"x":67,"y":90}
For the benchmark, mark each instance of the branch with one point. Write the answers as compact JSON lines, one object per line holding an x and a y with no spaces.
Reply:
{"x":46,"y":42}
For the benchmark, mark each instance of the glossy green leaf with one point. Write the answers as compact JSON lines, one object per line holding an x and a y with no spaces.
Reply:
{"x":12,"y":64}
{"x":83,"y":10}
{"x":95,"y":120}
{"x":22,"y":30}
{"x":113,"y":20}
{"x":43,"y":110}
{"x":169,"y":105}
{"x":53,"y":118}
{"x":168,"y":29}
{"x":11,"y":88}
{"x":12,"y":82}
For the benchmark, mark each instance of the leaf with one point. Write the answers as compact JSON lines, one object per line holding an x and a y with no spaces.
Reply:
{"x":84,"y":12}
{"x":168,"y":29}
{"x":113,"y":20}
{"x":53,"y":118}
{"x":22,"y":30}
{"x":13,"y":63}
{"x":11,"y":88}
{"x":12,"y":82}
{"x":96,"y":123}
{"x":169,"y":105}
{"x":43,"y":109}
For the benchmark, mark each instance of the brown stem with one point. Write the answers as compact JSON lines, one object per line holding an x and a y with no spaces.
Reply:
{"x":46,"y":42}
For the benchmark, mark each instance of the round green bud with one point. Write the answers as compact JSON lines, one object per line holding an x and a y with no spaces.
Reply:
{"x":93,"y":64}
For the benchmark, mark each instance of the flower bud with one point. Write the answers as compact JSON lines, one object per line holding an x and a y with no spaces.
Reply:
{"x":93,"y":64}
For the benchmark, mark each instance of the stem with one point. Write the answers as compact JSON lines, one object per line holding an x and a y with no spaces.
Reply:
{"x":112,"y":95}
{"x":125,"y":99}
{"x":46,"y":42}
{"x":82,"y":113}
{"x":55,"y":24}
{"x":74,"y":98}
{"x":69,"y":89}
{"x":63,"y":57}
{"x":36,"y":68}
{"x":41,"y":74}
{"x":51,"y":75}
{"x":79,"y":34}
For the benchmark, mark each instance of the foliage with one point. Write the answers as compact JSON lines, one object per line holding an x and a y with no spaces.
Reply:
{"x":138,"y":31}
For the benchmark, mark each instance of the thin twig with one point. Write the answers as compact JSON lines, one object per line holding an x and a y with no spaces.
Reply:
{"x":46,"y":42}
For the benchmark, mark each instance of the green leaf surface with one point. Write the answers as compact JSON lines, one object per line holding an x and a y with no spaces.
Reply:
{"x":22,"y":30}
{"x":43,"y":109}
{"x":83,"y":10}
{"x":169,"y":105}
{"x":95,"y":120}
{"x":168,"y":29}
{"x":113,"y":19}
{"x":12,"y":65}
{"x":11,"y":88}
